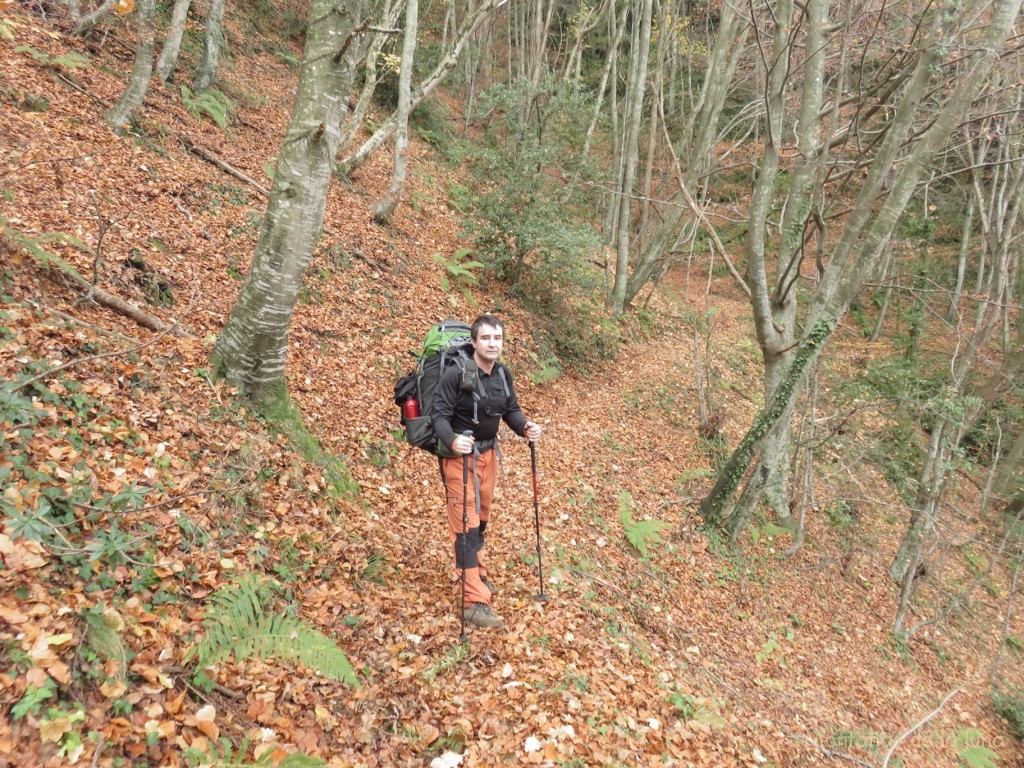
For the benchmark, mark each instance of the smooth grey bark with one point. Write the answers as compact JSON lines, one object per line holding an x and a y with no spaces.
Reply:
{"x":582,"y":28}
{"x":961,"y":262}
{"x":369,"y":67}
{"x":619,"y":25}
{"x":630,"y":155}
{"x":251,"y":351}
{"x":448,"y":62}
{"x":869,"y":225}
{"x":1011,"y":469}
{"x":385,"y":208}
{"x":119,"y":115}
{"x":699,"y":137}
{"x":212,"y":41}
{"x":168,"y":58}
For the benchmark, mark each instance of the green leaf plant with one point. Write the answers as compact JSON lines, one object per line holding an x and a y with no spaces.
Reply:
{"x":237,"y":622}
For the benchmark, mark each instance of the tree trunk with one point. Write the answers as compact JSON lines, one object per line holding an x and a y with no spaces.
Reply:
{"x":620,"y":28}
{"x":1010,"y":473}
{"x":119,"y":115}
{"x":168,"y":59}
{"x":700,"y":135}
{"x":385,"y":209}
{"x":251,"y":351}
{"x":212,"y":41}
{"x":857,"y":251}
{"x":369,"y":68}
{"x":421,"y":92}
{"x":631,"y":149}
{"x":961,"y":262}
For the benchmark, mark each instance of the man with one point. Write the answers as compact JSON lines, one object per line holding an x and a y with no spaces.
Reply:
{"x":466,"y":420}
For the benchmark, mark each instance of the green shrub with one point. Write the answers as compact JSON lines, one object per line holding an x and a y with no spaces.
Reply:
{"x":532,"y":202}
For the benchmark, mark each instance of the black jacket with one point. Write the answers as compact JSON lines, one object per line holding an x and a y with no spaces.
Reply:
{"x":452,"y":411}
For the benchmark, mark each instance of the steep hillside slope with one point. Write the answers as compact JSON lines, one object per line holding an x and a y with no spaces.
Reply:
{"x":134,"y":488}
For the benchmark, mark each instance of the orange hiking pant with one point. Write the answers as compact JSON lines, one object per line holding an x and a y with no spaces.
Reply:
{"x":468,"y":544}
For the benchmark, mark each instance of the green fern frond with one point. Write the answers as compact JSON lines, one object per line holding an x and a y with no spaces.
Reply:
{"x":639,"y":533}
{"x":102,"y":637}
{"x":237,"y":622}
{"x":287,"y":638}
{"x":40,"y":254}
{"x":210,"y":102}
{"x":461,"y":272}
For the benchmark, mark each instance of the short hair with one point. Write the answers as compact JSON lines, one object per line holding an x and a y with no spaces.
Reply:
{"x":490,"y":320}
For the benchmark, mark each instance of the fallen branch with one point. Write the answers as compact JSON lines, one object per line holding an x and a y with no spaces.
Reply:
{"x":53,"y":263}
{"x":907,"y":734}
{"x":129,"y":310}
{"x":101,"y":356}
{"x":72,"y":319}
{"x":229,"y":169}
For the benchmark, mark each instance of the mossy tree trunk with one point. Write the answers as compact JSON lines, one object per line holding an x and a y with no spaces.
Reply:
{"x":873,"y":216}
{"x":251,"y":352}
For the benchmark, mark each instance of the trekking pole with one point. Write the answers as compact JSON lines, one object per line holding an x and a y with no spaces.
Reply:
{"x":465,"y":536}
{"x":541,"y":597}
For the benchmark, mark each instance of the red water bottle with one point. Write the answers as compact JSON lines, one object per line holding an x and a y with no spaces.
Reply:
{"x":410,"y":409}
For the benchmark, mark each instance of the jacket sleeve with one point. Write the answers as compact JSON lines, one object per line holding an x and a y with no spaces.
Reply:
{"x":513,"y":415}
{"x":443,"y":408}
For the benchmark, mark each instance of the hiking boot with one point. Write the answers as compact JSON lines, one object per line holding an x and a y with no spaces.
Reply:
{"x":481,"y":615}
{"x":487,"y":583}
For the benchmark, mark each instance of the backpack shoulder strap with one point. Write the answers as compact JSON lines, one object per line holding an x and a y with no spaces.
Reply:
{"x":504,"y":379}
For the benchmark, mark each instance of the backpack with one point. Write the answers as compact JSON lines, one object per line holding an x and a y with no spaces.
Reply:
{"x":446,"y":344}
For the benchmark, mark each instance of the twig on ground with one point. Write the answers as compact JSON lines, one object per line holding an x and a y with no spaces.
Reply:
{"x":72,"y":319}
{"x":829,"y":753}
{"x":101,"y":356}
{"x":908,"y":733}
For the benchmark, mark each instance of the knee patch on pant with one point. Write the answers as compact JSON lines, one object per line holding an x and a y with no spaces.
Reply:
{"x":466,"y":547}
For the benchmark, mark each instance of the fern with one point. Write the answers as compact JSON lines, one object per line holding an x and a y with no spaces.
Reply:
{"x":459,"y":272}
{"x":638,"y":532}
{"x":40,"y":254}
{"x":237,"y":623}
{"x":210,"y":102}
{"x":972,"y":751}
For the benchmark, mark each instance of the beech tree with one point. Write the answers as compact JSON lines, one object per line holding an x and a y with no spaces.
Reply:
{"x":921,"y":114}
{"x":212,"y":41}
{"x":121,"y":113}
{"x":625,"y":181}
{"x":385,"y":208}
{"x":168,"y":58}
{"x":422,"y":91}
{"x":251,"y":352}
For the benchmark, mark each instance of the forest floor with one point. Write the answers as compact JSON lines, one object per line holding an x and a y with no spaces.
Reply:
{"x":148,"y":487}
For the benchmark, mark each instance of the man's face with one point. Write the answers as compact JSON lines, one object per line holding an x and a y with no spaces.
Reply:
{"x":488,"y":343}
